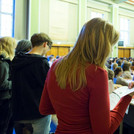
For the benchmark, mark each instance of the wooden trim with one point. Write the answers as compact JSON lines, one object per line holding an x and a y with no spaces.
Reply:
{"x":60,"y":49}
{"x":62,"y":45}
{"x":126,"y":47}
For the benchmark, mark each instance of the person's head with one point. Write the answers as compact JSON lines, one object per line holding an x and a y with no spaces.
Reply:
{"x":133,"y":63}
{"x":130,"y":59}
{"x":23,"y":46}
{"x":7,"y":47}
{"x":110,"y":74}
{"x":114,"y":60}
{"x":57,"y":57}
{"x":124,"y":59}
{"x":41,"y":40}
{"x":93,"y":46}
{"x":118,"y":71}
{"x":113,"y":66}
{"x":126,"y":66}
{"x":132,"y":66}
{"x":51,"y":57}
{"x":110,"y":61}
{"x":95,"y":41}
{"x":119,"y":62}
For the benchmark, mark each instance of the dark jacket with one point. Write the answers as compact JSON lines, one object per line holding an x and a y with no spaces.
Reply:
{"x":29,"y":72}
{"x":5,"y":83}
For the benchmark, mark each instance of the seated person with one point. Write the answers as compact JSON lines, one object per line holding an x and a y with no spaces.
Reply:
{"x":110,"y":80}
{"x":117,"y":77}
{"x":51,"y":59}
{"x":113,"y":66}
{"x":119,"y":62}
{"x":132,"y":68}
{"x":126,"y":70}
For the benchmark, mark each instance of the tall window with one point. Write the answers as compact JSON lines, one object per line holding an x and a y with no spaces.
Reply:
{"x":7,"y":8}
{"x":124,"y":30}
{"x":96,"y":14}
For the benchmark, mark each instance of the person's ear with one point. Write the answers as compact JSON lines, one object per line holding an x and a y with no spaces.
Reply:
{"x":44,"y":44}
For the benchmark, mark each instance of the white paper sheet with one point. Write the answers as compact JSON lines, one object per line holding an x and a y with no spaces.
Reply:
{"x":123,"y":91}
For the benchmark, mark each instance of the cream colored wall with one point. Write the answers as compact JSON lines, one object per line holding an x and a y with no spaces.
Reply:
{"x":59,"y":19}
{"x":63,"y":19}
{"x":44,"y":16}
{"x":20,"y":19}
{"x":34,"y":19}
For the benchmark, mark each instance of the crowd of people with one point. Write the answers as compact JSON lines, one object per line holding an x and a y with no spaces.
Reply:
{"x":73,"y":87}
{"x":121,"y":73}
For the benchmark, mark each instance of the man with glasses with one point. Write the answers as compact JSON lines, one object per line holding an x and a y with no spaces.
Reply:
{"x":29,"y":72}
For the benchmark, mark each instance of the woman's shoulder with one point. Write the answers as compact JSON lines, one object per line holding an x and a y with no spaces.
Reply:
{"x":95,"y":72}
{"x":92,"y":68}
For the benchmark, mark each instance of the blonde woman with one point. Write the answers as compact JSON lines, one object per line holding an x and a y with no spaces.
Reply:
{"x":7,"y":47}
{"x":76,"y":87}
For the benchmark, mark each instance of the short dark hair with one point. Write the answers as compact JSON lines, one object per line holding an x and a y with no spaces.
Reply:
{"x":119,"y":62}
{"x":38,"y":38}
{"x":117,"y":70}
{"x":125,"y":66}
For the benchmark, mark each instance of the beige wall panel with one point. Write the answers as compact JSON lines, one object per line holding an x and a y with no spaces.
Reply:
{"x":63,"y":51}
{"x":120,"y":53}
{"x":63,"y":21}
{"x":127,"y":53}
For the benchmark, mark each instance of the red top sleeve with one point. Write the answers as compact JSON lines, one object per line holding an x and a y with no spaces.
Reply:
{"x":103,"y":120}
{"x":46,"y":107}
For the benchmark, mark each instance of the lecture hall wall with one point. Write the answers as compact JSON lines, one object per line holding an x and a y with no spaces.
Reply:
{"x":63,"y":19}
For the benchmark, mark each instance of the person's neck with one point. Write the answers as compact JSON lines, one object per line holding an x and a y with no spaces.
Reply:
{"x":37,"y":51}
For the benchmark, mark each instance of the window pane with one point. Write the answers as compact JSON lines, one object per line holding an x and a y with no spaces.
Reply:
{"x":95,"y":14}
{"x":121,"y":36}
{"x":124,"y":30}
{"x":124,"y":24}
{"x":6,"y":25}
{"x":7,"y":6}
{"x":121,"y":24}
{"x":126,"y":38}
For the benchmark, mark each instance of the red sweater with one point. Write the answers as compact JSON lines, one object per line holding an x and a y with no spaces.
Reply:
{"x":86,"y":111}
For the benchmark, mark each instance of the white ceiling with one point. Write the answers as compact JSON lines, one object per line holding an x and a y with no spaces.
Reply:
{"x":119,"y":1}
{"x":130,"y":2}
{"x":127,"y":1}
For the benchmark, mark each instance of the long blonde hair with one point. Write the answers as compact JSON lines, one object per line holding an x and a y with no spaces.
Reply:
{"x":92,"y":46}
{"x":7,"y":47}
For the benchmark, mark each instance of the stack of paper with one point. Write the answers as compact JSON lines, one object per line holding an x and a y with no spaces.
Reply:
{"x":123,"y":91}
{"x":118,"y":93}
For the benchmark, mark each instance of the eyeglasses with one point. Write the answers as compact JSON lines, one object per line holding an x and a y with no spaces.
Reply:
{"x":49,"y":43}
